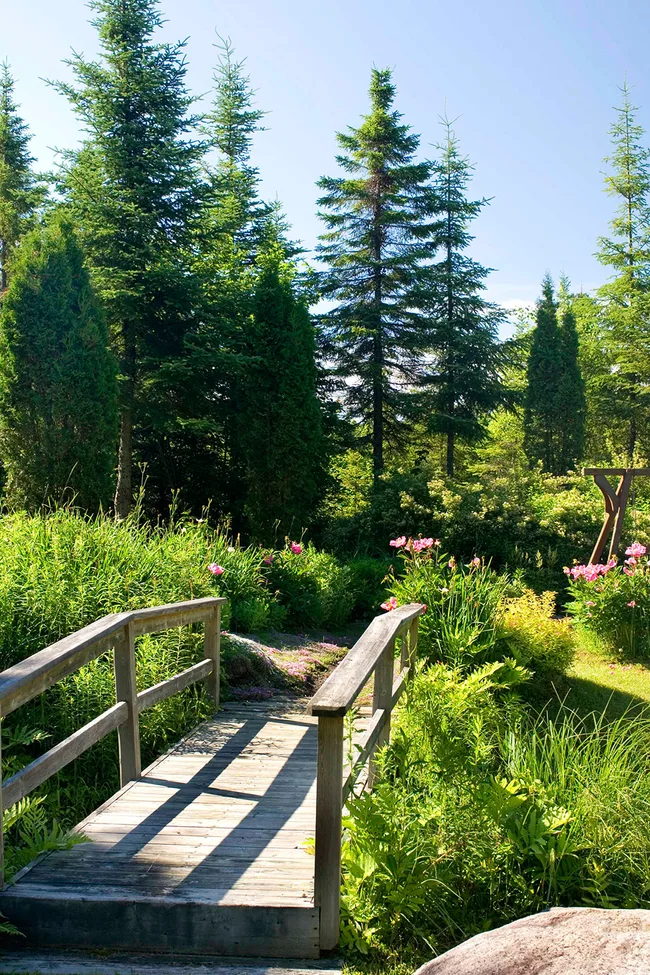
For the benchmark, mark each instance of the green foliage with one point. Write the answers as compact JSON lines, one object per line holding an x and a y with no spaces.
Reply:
{"x":373,"y":248}
{"x":486,"y":806}
{"x":463,"y":603}
{"x":466,"y":380}
{"x":133,"y":192}
{"x":626,"y":298}
{"x":282,"y":438}
{"x":313,"y":587}
{"x":571,"y":402}
{"x":530,"y":632}
{"x":58,"y":421}
{"x":20,"y":192}
{"x":542,"y":420}
{"x":614,"y":604}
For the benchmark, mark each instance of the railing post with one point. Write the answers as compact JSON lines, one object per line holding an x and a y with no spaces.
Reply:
{"x":382,"y":697}
{"x":126,"y":690}
{"x":2,"y":815}
{"x":413,"y":645}
{"x":327,"y":868}
{"x":212,"y":651}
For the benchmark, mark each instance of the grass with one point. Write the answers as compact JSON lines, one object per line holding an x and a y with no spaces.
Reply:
{"x":601,"y":682}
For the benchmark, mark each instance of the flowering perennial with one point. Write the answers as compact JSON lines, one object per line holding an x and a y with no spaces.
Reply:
{"x":216,"y":570}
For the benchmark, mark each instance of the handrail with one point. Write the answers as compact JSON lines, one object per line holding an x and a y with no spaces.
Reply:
{"x":35,"y":674}
{"x":373,"y":653}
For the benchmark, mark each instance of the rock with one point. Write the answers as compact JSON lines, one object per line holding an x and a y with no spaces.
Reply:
{"x":562,"y":941}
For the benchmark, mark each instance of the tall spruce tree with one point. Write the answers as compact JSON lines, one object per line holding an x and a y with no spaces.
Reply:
{"x":20,"y":192}
{"x":626,"y":298}
{"x":571,"y":401}
{"x":228,"y":240}
{"x":377,"y":216}
{"x":58,"y":412}
{"x":282,"y":434}
{"x":541,"y":418}
{"x":133,"y":191}
{"x":466,"y":382}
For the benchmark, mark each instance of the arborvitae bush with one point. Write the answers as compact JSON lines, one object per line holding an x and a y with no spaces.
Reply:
{"x":58,"y":419}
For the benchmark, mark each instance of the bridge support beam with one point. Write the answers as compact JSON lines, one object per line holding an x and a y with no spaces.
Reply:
{"x":327,"y":868}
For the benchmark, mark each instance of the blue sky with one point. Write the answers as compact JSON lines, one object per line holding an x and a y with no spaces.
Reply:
{"x":533,"y":82}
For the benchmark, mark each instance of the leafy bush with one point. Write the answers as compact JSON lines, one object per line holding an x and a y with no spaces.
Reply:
{"x":484,"y":814}
{"x":463,"y":601}
{"x":368,"y":581}
{"x":314,"y":588}
{"x":531,"y":634}
{"x":613,"y":601}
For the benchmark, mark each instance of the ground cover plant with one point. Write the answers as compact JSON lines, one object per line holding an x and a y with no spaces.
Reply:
{"x":516,"y":778}
{"x":62,"y":570}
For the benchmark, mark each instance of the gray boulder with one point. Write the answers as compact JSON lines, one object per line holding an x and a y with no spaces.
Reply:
{"x":562,"y":941}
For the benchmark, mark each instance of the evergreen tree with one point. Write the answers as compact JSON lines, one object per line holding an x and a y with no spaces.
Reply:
{"x":229,"y":236}
{"x":466,"y":381}
{"x":376,"y":216}
{"x":133,"y":191}
{"x":626,"y":298}
{"x":58,"y":413}
{"x":571,"y":402}
{"x":20,"y":193}
{"x":541,"y":418}
{"x":282,"y":433}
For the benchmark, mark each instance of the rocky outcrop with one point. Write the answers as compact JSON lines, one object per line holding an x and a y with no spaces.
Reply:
{"x":562,"y":941}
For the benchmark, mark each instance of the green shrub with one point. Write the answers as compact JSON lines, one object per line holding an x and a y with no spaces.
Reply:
{"x":531,"y":634}
{"x":368,"y":581}
{"x":613,"y":601}
{"x":483,"y":814}
{"x":314,"y":588}
{"x":464,"y":602}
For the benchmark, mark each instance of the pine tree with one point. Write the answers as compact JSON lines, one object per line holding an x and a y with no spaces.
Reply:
{"x":466,"y":381}
{"x":133,"y":191}
{"x":229,"y":237}
{"x":571,"y":402}
{"x":626,"y":299}
{"x":20,"y":193}
{"x":58,"y":412}
{"x":376,"y":216}
{"x":541,"y":419}
{"x":282,"y":434}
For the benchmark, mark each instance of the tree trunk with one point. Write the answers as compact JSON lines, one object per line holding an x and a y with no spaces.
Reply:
{"x":451,"y":442}
{"x":378,"y":357}
{"x":124,"y":486}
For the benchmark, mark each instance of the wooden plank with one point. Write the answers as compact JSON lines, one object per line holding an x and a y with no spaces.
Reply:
{"x":212,"y":652}
{"x":367,"y":745}
{"x":126,"y":690}
{"x":33,"y":675}
{"x":399,"y":687}
{"x":34,"y":774}
{"x":337,"y":694}
{"x":382,"y":701}
{"x":195,"y":926}
{"x":617,"y":471}
{"x":327,"y":867}
{"x":155,"y":619}
{"x":166,"y":688}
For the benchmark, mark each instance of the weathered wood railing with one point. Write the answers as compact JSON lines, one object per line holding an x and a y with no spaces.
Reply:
{"x":30,"y":677}
{"x":374,"y":653}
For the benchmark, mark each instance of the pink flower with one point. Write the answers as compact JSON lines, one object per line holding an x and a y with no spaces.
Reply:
{"x":296,"y":548}
{"x":611,"y":564}
{"x":437,"y":543}
{"x":475,"y":561}
{"x":631,"y":560}
{"x":424,"y":607}
{"x":590,"y":602}
{"x":389,"y":604}
{"x":452,"y":563}
{"x":216,"y":570}
{"x":268,"y":560}
{"x":632,"y":603}
{"x":566,"y":570}
{"x":628,"y":572}
{"x":636,"y":548}
{"x":612,"y":666}
{"x":398,"y":542}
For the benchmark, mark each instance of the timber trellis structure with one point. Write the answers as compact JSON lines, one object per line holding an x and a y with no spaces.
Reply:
{"x":227,"y":887}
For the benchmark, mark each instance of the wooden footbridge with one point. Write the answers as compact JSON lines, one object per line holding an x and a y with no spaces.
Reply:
{"x":230,"y":844}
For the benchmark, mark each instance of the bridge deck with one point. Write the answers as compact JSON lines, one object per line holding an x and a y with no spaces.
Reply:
{"x":207,"y":853}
